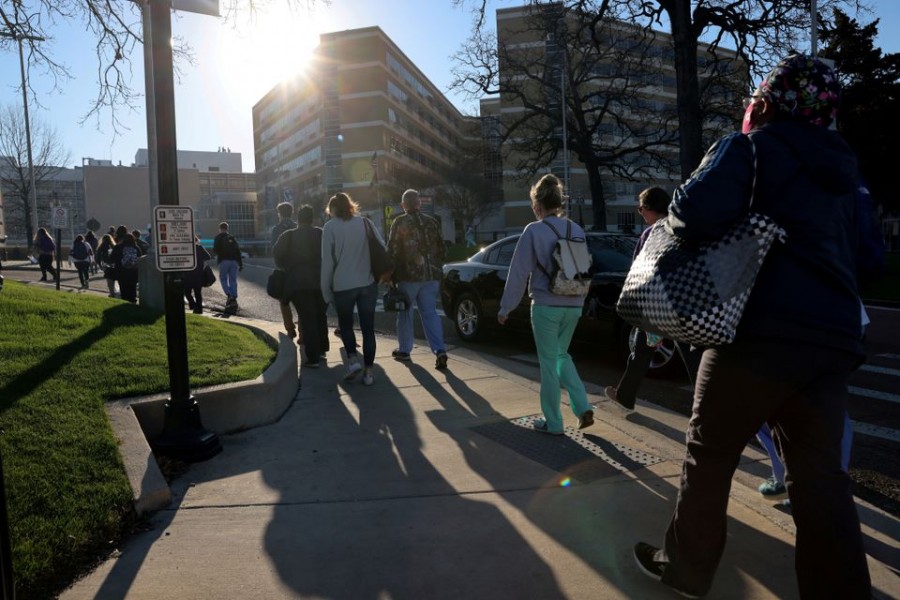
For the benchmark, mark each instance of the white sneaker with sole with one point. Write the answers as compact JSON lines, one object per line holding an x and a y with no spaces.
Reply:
{"x":353,"y":369}
{"x":368,"y":377}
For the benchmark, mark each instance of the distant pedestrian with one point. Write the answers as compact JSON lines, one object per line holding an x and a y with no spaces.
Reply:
{"x":193,"y":279}
{"x":82,"y":256}
{"x":285,"y":211}
{"x":797,"y":344}
{"x":139,"y":242}
{"x":553,"y":317}
{"x":299,"y":252}
{"x":104,"y":259}
{"x":228,"y":253}
{"x":45,"y":248}
{"x":653,"y":204}
{"x":417,"y":249}
{"x":470,"y":236}
{"x":92,"y":241}
{"x":124,"y":257}
{"x":347,"y":280}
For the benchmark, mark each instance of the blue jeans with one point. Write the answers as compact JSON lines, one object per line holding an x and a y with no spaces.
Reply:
{"x":228,"y":270}
{"x":364,"y":300}
{"x":424,"y":295}
{"x":553,"y":327}
{"x":764,"y":435}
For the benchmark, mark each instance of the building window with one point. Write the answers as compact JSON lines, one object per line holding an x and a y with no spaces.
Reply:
{"x":625,"y":221}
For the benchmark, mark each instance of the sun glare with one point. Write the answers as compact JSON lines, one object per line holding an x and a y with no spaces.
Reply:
{"x":273,"y":45}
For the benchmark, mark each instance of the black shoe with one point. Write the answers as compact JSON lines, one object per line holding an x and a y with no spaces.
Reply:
{"x":586,"y":420}
{"x":401,"y":356}
{"x":645,"y":557}
{"x":441,"y":362}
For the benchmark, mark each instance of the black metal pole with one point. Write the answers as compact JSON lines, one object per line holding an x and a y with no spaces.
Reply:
{"x":183,"y":434}
{"x":6,"y":569}
{"x":58,"y":256}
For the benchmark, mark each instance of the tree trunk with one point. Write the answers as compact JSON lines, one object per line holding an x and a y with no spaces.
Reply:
{"x":690,"y":126}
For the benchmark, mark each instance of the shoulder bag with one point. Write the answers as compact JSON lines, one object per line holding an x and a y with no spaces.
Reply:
{"x":696,"y":293}
{"x":380,"y":262}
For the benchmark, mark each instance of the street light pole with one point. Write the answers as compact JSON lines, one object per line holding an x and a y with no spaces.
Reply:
{"x":19,"y":37}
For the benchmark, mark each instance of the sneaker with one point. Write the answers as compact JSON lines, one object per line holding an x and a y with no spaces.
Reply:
{"x":645,"y":557}
{"x":401,"y":356}
{"x":353,"y":369}
{"x":368,"y":378}
{"x":586,"y":419}
{"x":611,"y":393}
{"x":541,"y":425}
{"x":441,"y":362}
{"x":772,"y":489}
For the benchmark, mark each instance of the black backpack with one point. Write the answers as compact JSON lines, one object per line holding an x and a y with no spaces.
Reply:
{"x":79,"y":251}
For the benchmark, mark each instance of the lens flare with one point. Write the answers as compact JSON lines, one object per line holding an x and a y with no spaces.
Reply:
{"x":565,"y":482}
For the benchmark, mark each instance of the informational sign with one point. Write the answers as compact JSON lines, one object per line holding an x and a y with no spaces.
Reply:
{"x":59,"y":217}
{"x":174,"y":238}
{"x":203,"y":7}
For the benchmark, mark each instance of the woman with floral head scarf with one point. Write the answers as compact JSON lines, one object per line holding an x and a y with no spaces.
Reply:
{"x":797,"y":344}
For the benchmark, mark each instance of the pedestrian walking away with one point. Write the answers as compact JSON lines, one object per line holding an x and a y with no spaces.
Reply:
{"x":193,"y":279}
{"x":653,"y":204}
{"x":416,"y":246}
{"x":45,"y":248}
{"x":298,"y":252}
{"x":124,"y":258}
{"x":92,"y":241}
{"x":104,"y":259}
{"x":553,"y":316}
{"x":285,"y":210}
{"x":228,"y":255}
{"x":348,"y":283}
{"x":82,"y":255}
{"x":797,"y":343}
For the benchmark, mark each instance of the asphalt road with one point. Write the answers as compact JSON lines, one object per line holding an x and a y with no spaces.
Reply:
{"x":875,"y":388}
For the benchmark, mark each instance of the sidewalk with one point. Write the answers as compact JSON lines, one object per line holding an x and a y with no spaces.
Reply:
{"x":428,"y":485}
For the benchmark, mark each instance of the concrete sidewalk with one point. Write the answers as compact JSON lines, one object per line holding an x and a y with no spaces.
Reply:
{"x":428,"y":484}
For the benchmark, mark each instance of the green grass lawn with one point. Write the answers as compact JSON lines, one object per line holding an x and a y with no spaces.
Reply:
{"x":62,"y":355}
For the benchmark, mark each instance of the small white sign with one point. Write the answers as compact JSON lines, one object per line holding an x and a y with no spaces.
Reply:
{"x":59,"y":217}
{"x":173,"y":228}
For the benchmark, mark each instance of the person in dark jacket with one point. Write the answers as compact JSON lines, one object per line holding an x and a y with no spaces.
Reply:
{"x":285,"y":211}
{"x":104,"y":259}
{"x":124,"y":257}
{"x":45,"y":248}
{"x":193,"y":279}
{"x":91,"y":238}
{"x":298,"y":252}
{"x":797,"y":343}
{"x":228,"y":254}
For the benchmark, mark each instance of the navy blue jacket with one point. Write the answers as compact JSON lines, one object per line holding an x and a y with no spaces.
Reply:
{"x":807,"y":176}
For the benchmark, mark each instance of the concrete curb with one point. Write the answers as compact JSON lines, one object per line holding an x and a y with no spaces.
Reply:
{"x":226,"y":408}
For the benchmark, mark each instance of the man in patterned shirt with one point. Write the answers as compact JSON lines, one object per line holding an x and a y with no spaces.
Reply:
{"x":417,"y":249}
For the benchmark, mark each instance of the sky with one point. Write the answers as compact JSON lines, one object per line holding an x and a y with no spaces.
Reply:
{"x":235,"y":65}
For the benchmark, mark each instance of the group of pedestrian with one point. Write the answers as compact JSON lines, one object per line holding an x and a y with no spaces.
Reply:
{"x":332,"y":265}
{"x":116,"y":254}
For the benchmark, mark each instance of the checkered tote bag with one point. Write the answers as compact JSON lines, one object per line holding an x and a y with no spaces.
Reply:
{"x":696,"y":293}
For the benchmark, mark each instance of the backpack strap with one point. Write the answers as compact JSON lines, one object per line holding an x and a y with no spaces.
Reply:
{"x":558,"y":237}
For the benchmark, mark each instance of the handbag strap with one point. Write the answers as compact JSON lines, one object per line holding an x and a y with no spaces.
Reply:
{"x":753,"y":182}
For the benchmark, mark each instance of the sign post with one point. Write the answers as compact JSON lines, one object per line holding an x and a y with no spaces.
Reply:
{"x":183,"y":436}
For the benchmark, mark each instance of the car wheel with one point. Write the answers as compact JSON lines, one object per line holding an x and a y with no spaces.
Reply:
{"x":666,"y":361}
{"x":467,"y":316}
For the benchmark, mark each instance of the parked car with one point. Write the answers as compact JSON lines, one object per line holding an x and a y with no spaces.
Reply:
{"x":471,"y":291}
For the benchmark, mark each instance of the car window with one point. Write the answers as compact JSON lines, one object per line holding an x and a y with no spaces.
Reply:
{"x":611,"y":253}
{"x":500,"y":254}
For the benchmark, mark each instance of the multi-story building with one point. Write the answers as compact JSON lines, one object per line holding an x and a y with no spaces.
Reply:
{"x":99,"y":194}
{"x":363,"y":120}
{"x":620,"y":79}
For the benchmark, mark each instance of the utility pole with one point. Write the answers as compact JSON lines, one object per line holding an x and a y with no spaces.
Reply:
{"x":18,"y":37}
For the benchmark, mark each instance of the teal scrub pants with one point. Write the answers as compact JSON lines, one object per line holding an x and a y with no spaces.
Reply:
{"x":553,"y":327}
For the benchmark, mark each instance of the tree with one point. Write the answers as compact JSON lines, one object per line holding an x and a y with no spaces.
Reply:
{"x":589,"y":66}
{"x":472,"y":190}
{"x":118,"y":32}
{"x":762,"y":31}
{"x":870,"y":106}
{"x":47,"y":153}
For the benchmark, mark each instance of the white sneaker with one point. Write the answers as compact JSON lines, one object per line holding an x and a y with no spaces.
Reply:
{"x":353,"y":369}
{"x":368,"y":378}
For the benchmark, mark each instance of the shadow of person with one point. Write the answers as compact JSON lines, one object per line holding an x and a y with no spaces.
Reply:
{"x":594,"y":510}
